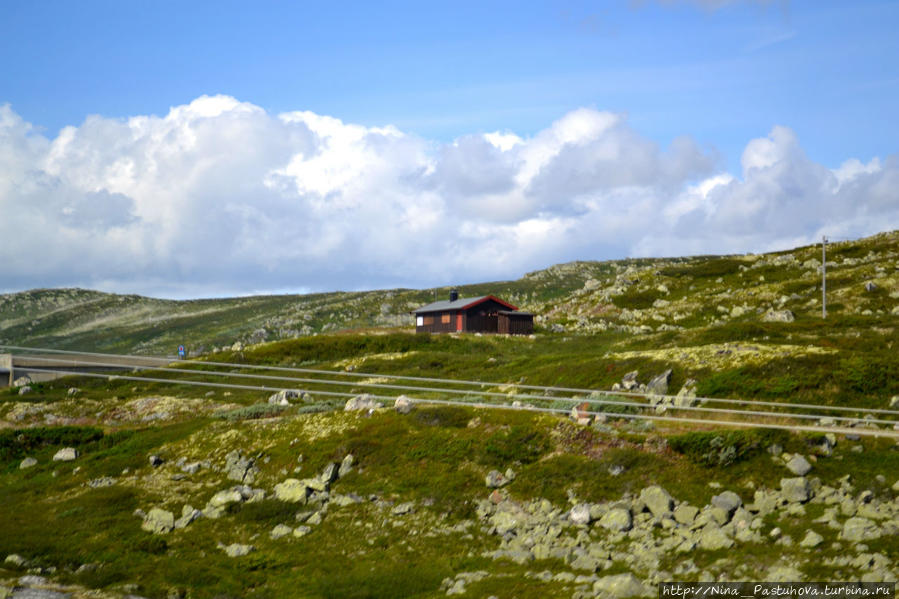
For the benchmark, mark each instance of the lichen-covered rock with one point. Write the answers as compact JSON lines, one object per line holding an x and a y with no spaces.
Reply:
{"x":495,"y":479}
{"x":795,"y":490}
{"x":291,"y":490}
{"x":579,"y":514}
{"x":362,"y":402}
{"x":346,"y":465}
{"x":240,"y":468}
{"x":66,"y":454}
{"x":860,"y":529}
{"x":403,"y":405}
{"x":159,"y":521}
{"x":778,"y":316}
{"x":659,"y":383}
{"x":27,"y":463}
{"x":657,"y":500}
{"x":811,"y":539}
{"x":713,"y":537}
{"x":727,"y":501}
{"x":238,"y":550}
{"x":685,"y":513}
{"x":620,"y":586}
{"x":617,"y":519}
{"x":281,"y":530}
{"x":798,"y":465}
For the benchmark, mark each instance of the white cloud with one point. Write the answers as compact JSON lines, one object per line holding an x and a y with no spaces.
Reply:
{"x":218,"y":196}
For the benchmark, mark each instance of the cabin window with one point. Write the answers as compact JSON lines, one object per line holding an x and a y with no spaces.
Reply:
{"x":428,"y":320}
{"x":445,"y":318}
{"x":419,"y":321}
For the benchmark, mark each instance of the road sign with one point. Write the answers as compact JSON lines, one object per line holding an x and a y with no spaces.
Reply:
{"x":181,"y":351}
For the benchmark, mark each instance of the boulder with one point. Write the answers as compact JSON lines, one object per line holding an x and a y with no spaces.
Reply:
{"x":159,"y":521}
{"x":402,"y":405}
{"x":22,"y":381}
{"x":795,"y":490}
{"x":860,"y":529}
{"x":346,"y":465}
{"x":713,"y":537}
{"x":727,"y":501}
{"x":685,"y":513}
{"x":25,"y":389}
{"x":659,"y":383}
{"x":686,"y":397}
{"x":27,"y":463}
{"x":657,"y":500}
{"x":362,"y":402}
{"x":188,"y":515}
{"x":238,"y":550}
{"x":495,"y":479}
{"x":241,"y":468}
{"x":291,"y":491}
{"x":155,"y":460}
{"x":283,"y":397}
{"x":778,"y":316}
{"x":629,"y":381}
{"x":620,"y":586}
{"x":66,"y":454}
{"x":330,"y":473}
{"x":811,"y":539}
{"x":799,"y":465}
{"x":870,"y":286}
{"x":15,"y":560}
{"x":617,"y":519}
{"x":580,"y":514}
{"x":281,"y":530}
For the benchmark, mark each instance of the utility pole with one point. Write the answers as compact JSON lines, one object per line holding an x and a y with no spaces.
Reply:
{"x":823,"y":276}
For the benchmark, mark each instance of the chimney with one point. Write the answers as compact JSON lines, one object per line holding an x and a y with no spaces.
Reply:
{"x":454,"y":295}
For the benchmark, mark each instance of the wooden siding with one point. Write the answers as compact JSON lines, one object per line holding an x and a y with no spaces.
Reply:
{"x":511,"y":323}
{"x":488,"y":316}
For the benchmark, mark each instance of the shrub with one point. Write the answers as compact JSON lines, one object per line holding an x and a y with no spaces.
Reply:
{"x":723,"y":448}
{"x":253,"y":412}
{"x":449,"y":416}
{"x":18,"y":443}
{"x":521,"y":443}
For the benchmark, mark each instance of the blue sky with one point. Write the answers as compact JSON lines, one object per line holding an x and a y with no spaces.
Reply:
{"x":718,"y":73}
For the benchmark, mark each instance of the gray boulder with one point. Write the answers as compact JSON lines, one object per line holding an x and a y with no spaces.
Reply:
{"x":21,"y":381}
{"x":362,"y":402}
{"x":580,"y":514}
{"x":620,"y":586}
{"x":860,"y":529}
{"x":685,"y":514}
{"x":66,"y":454}
{"x":27,"y":463}
{"x":811,"y":539}
{"x":241,"y":468}
{"x":346,"y":465}
{"x":495,"y":479}
{"x":281,"y":530}
{"x":283,"y":397}
{"x":686,"y":397}
{"x":713,"y":537}
{"x":727,"y":501}
{"x":799,"y":465}
{"x":795,"y":490}
{"x":24,"y":390}
{"x":629,"y":381}
{"x":657,"y":500}
{"x":659,"y":383}
{"x":159,"y":521}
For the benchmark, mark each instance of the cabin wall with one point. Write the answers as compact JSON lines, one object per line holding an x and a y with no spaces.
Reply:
{"x":436,"y":322}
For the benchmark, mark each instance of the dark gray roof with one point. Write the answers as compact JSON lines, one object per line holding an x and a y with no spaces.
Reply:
{"x":448,"y":305}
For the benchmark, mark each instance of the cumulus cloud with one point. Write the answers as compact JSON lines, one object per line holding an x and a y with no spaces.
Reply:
{"x":218,"y":196}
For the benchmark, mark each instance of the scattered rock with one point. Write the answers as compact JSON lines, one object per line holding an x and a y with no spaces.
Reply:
{"x":281,"y":530}
{"x":24,"y":390}
{"x":713,"y":537}
{"x":66,"y":454}
{"x":156,"y":461}
{"x":620,"y":586}
{"x":629,"y":381}
{"x":15,"y":560}
{"x":346,"y":465}
{"x":241,"y":468}
{"x":580,"y":514}
{"x":795,"y":490}
{"x":362,"y":402}
{"x":403,"y":508}
{"x":22,"y":381}
{"x":617,"y":519}
{"x":811,"y":539}
{"x":799,"y":465}
{"x":659,"y":383}
{"x":188,"y":515}
{"x":283,"y":397}
{"x":27,"y":463}
{"x":871,"y":286}
{"x":860,"y":529}
{"x":159,"y":521}
{"x":495,"y":479}
{"x":73,"y":391}
{"x":778,"y":316}
{"x":727,"y":501}
{"x":238,"y":550}
{"x":403,"y":405}
{"x":686,"y":397}
{"x":685,"y":513}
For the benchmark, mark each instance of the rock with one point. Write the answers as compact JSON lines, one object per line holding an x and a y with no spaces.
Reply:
{"x":283,"y":397}
{"x":860,"y":529}
{"x":795,"y":490}
{"x":361,"y":402}
{"x":291,"y":491}
{"x":659,"y":383}
{"x":15,"y":560}
{"x":155,"y":461}
{"x":159,"y":521}
{"x":686,"y":397}
{"x":402,"y":405}
{"x":713,"y":537}
{"x":301,"y":531}
{"x":27,"y":463}
{"x":346,"y":465}
{"x":330,"y":474}
{"x":685,"y":514}
{"x":24,"y":390}
{"x":281,"y":530}
{"x":240,"y":468}
{"x":620,"y":586}
{"x":73,"y":391}
{"x":778,"y":316}
{"x":811,"y":539}
{"x":629,"y":381}
{"x":727,"y":501}
{"x":871,"y":286}
{"x":22,"y":381}
{"x":799,"y":465}
{"x":403,"y":508}
{"x":495,"y":479}
{"x":579,"y":514}
{"x":66,"y":454}
{"x":617,"y":519}
{"x":657,"y":500}
{"x":894,"y":402}
{"x":33,"y":593}
{"x":238,"y":550}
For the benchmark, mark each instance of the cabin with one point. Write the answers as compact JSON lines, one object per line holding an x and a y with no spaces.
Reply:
{"x":483,"y":314}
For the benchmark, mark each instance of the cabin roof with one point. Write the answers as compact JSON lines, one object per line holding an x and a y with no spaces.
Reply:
{"x":463,"y":303}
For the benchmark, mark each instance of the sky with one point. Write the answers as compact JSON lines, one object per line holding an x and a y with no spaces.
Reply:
{"x":206,"y":149}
